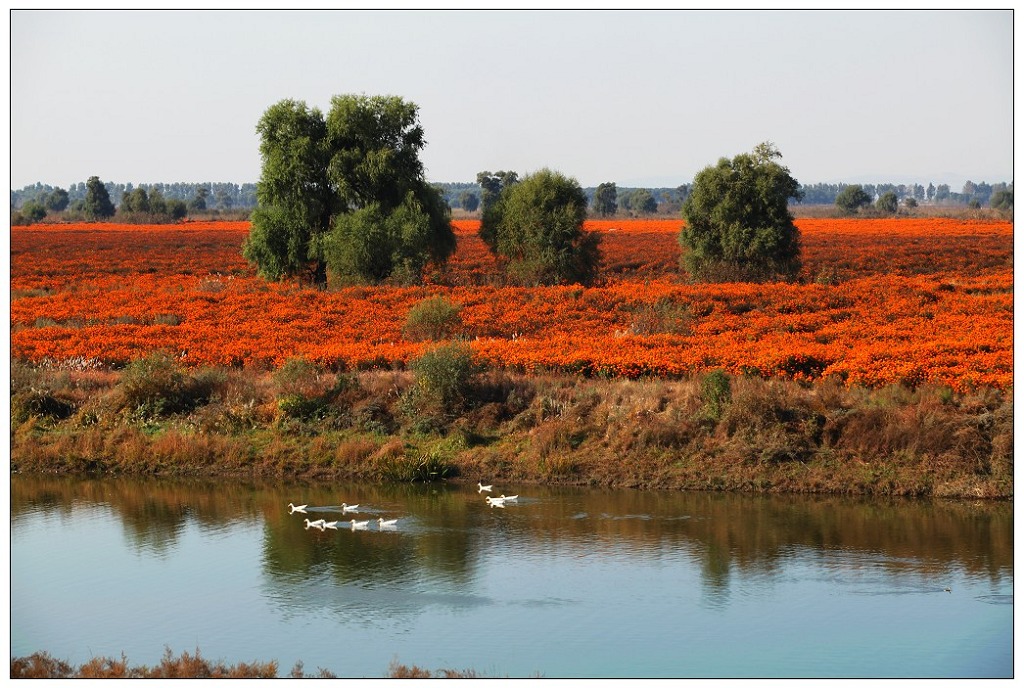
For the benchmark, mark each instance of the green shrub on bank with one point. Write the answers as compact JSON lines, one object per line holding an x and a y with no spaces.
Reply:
{"x":444,"y":378}
{"x":155,"y":386}
{"x":306,"y":391}
{"x":716,"y":391}
{"x":40,"y":404}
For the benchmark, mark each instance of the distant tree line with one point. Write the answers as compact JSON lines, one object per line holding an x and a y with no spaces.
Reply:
{"x":976,"y":194}
{"x":208,"y":196}
{"x":604,"y":200}
{"x":608,"y":199}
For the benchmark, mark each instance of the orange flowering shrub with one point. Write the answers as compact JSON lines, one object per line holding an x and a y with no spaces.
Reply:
{"x":882,"y":302}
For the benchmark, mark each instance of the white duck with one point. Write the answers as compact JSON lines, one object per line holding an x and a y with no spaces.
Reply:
{"x":331,"y":524}
{"x":292,"y":508}
{"x":315,"y":524}
{"x":345,"y":508}
{"x":387,"y":524}
{"x":509,"y":499}
{"x":480,"y":487}
{"x":359,"y":525}
{"x":495,"y":501}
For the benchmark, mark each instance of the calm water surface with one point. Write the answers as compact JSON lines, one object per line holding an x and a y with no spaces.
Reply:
{"x":564,"y":583}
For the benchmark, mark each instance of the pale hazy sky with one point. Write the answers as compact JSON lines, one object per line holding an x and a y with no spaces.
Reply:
{"x":640,"y":98}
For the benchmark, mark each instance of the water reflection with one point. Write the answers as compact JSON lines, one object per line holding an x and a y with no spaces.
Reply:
{"x":444,"y":528}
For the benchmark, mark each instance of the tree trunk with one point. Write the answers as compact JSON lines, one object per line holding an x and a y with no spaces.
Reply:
{"x":320,"y":274}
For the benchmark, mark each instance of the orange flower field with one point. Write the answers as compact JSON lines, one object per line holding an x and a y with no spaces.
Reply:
{"x":882,"y":301}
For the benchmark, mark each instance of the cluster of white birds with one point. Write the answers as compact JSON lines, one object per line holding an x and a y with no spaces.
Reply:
{"x":323,"y":524}
{"x":494,"y":501}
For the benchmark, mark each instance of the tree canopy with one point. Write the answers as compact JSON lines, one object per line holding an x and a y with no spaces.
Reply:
{"x":738,"y":225}
{"x":606,"y":201}
{"x":97,"y":204}
{"x":641,"y":202}
{"x":887,"y":203}
{"x":346,"y":192}
{"x":469,"y":201}
{"x":536,"y":224}
{"x":852,"y":198}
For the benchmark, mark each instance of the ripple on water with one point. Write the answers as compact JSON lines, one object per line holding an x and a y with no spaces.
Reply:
{"x":995,"y":599}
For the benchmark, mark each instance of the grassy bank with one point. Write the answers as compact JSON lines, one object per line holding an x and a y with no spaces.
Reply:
{"x":448,"y":420}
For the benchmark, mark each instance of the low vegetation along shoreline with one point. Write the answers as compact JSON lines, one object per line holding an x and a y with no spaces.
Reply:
{"x":445,"y":418}
{"x":185,"y":665}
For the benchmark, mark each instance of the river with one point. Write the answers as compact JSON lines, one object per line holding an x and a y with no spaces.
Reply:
{"x":561,"y":583}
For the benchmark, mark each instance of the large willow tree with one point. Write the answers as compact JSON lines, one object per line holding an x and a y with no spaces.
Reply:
{"x":346,"y":193}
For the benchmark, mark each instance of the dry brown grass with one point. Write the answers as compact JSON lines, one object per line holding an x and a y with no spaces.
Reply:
{"x":765,"y":435}
{"x":42,"y":665}
{"x":397,"y":670}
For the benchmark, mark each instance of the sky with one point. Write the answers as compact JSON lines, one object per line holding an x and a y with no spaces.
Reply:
{"x":639,"y":98}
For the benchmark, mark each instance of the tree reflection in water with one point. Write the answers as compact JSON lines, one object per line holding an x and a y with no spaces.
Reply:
{"x":446,"y":531}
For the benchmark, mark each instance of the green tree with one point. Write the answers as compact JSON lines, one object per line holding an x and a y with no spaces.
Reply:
{"x":606,"y":201}
{"x":852,"y":198}
{"x":198,"y":202}
{"x":157,"y":202}
{"x":491,"y":185}
{"x":642,"y":202}
{"x":374,"y":144}
{"x":97,"y":204}
{"x":294,"y":195}
{"x":537,"y":225}
{"x":57,"y":200}
{"x":376,"y":243}
{"x":33,"y":211}
{"x":469,"y":201}
{"x":346,"y":192}
{"x":491,"y":188}
{"x":176,"y":209}
{"x":887,"y":203}
{"x":1002,"y":199}
{"x":135,"y":201}
{"x":738,"y":224}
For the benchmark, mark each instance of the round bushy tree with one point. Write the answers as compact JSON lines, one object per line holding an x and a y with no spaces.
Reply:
{"x":738,"y":225}
{"x":537,"y":225}
{"x":887,"y":203}
{"x":642,"y":202}
{"x":33,"y":211}
{"x":852,"y":198}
